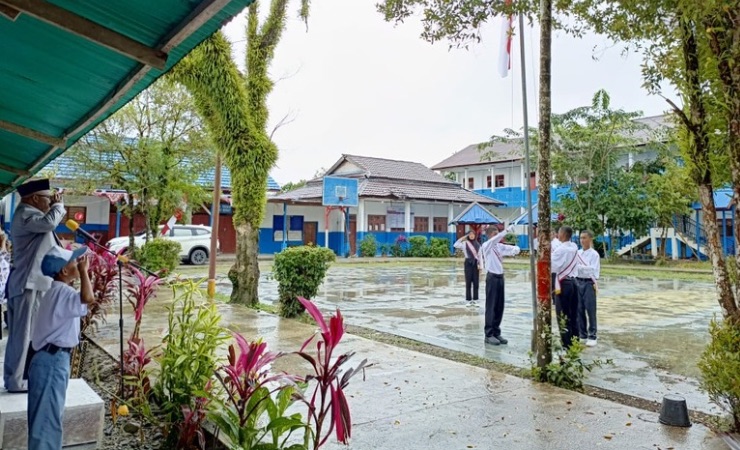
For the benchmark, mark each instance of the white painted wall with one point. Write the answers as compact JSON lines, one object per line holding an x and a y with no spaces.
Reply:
{"x":98,"y":208}
{"x":512,"y":172}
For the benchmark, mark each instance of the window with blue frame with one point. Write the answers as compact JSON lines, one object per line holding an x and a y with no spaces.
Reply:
{"x":295,"y":228}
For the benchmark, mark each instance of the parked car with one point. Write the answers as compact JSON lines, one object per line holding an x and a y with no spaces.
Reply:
{"x":195,"y":241}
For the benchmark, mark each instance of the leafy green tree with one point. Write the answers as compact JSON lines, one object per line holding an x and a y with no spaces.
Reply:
{"x":671,"y":193}
{"x":290,"y":186}
{"x":153,"y":148}
{"x":234,"y":107}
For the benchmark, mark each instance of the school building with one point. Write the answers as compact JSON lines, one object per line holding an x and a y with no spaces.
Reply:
{"x":501,"y":175}
{"x":99,"y":212}
{"x":395,"y":198}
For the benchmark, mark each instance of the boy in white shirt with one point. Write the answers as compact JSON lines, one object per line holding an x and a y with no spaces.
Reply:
{"x":493,"y":252}
{"x":587,"y":275}
{"x":56,"y":331}
{"x":564,"y":262}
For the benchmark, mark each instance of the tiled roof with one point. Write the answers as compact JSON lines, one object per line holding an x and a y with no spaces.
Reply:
{"x":472,"y":155}
{"x":391,"y":189}
{"x":391,"y":169}
{"x":62,"y":168}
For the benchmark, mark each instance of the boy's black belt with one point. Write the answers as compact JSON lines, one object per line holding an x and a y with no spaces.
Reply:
{"x":53,"y":349}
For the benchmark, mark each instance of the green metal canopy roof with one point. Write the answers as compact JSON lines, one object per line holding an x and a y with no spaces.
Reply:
{"x":66,"y":65}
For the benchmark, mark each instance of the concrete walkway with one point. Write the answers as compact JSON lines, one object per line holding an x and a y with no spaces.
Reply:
{"x":410,"y":400}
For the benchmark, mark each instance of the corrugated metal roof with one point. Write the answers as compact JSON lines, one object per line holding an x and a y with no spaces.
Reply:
{"x":476,"y":214}
{"x":472,"y":155}
{"x":655,"y":127}
{"x":57,"y":85}
{"x":64,"y":169}
{"x":524,"y":220}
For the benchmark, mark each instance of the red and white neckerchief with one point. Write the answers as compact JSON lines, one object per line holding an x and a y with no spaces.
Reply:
{"x":566,"y":272}
{"x":472,"y":250}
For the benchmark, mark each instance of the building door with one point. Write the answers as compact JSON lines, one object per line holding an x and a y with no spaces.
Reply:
{"x":533,"y":181}
{"x":309,"y":232}
{"x":352,"y":234}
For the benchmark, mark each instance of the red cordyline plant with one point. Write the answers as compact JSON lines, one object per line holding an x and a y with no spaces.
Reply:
{"x":136,"y":360}
{"x":103,"y":271}
{"x":328,"y":399}
{"x":249,"y":387}
{"x":191,"y":426}
{"x":140,"y":288}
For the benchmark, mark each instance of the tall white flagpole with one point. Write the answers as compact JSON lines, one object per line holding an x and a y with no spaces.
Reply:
{"x":528,"y":172}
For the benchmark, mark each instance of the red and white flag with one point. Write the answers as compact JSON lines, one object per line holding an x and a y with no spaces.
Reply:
{"x":504,"y":59}
{"x":171,"y":222}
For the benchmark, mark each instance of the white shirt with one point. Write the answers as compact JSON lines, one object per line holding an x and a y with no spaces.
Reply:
{"x":564,"y":259}
{"x":492,"y":252}
{"x":553,"y":245}
{"x":462,"y":244}
{"x":590,"y":264}
{"x":58,"y":318}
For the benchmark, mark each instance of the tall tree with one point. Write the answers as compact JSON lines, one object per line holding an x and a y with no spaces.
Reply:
{"x":234,"y":106}
{"x":153,"y":148}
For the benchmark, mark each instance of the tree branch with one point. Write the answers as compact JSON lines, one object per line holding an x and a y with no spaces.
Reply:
{"x":287,"y":119}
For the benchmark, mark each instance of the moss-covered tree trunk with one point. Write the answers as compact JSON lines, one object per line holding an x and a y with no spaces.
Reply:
{"x":543,"y":349}
{"x":245,"y":273}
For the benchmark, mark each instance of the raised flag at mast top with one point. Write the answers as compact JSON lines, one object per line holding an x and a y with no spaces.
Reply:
{"x":507,"y":28}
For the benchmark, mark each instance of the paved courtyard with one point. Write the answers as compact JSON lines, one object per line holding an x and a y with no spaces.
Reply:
{"x":654,"y":330}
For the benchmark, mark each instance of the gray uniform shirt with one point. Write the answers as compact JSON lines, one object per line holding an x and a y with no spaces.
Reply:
{"x":58,"y":319}
{"x":30,"y":231}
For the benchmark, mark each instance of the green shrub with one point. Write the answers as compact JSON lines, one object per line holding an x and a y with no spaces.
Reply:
{"x":720,"y":368}
{"x":418,"y":247}
{"x":158,"y":255}
{"x":368,"y":246}
{"x":188,"y":360}
{"x":385,"y":249}
{"x":300,"y":271}
{"x":511,"y":239}
{"x":439,"y":248}
{"x":567,"y":369}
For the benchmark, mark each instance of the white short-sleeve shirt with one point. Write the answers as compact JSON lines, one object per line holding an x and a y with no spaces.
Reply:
{"x":58,"y":317}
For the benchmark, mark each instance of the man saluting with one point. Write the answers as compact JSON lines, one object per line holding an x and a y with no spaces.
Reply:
{"x":32,"y":233}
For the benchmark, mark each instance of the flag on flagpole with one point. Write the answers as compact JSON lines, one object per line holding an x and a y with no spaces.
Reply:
{"x":504,"y":59}
{"x":171,"y":222}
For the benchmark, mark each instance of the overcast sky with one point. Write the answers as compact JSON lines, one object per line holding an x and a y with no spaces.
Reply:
{"x":359,"y":85}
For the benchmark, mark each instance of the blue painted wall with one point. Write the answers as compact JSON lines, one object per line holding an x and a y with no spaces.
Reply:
{"x":268,"y":246}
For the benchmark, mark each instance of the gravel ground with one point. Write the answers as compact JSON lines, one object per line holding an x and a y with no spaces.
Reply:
{"x":101,"y":373}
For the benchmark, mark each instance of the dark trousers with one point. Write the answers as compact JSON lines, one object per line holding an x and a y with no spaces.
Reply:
{"x":568,"y":300}
{"x":494,"y":304}
{"x":472,"y":276}
{"x":586,"y":308}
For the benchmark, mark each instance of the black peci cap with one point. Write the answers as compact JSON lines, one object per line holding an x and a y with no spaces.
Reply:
{"x":33,"y":186}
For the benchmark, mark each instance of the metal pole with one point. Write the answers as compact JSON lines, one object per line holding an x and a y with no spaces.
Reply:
{"x":215,"y":214}
{"x":120,"y":322}
{"x":530,"y":236}
{"x":285,"y":227}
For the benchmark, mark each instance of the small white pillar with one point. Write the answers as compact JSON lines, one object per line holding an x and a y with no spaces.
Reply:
{"x":653,"y":243}
{"x":407,"y":217}
{"x":450,"y":218}
{"x":432,"y":209}
{"x":674,"y":246}
{"x":465,"y":179}
{"x":361,"y":225}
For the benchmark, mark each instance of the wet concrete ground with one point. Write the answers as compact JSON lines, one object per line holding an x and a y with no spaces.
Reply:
{"x":653,"y":330}
{"x":409,"y":400}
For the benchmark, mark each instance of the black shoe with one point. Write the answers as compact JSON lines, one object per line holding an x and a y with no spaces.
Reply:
{"x":492,"y":341}
{"x":501,"y":340}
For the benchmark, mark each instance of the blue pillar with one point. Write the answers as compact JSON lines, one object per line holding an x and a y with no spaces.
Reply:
{"x":347,"y":246}
{"x":698,"y":238}
{"x":118,"y":219}
{"x":285,"y":226}
{"x":12,"y":211}
{"x":724,"y":234}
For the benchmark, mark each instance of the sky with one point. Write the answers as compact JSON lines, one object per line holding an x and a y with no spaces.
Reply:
{"x":355,"y":84}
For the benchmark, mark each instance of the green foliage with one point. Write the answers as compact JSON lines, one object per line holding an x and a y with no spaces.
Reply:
{"x":720,"y":368}
{"x":568,"y":370}
{"x":158,"y":255}
{"x":188,"y":359}
{"x":385,"y":249}
{"x":439,"y":248}
{"x":154,"y":148}
{"x":418,"y":247}
{"x":511,"y":239}
{"x":300,"y":271}
{"x":290,"y":186}
{"x":368,"y":246}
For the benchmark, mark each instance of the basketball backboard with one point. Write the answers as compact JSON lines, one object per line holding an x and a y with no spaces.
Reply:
{"x":340,"y":191}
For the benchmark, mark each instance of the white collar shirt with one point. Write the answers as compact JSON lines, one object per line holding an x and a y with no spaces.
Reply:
{"x":493,"y":252}
{"x":564,"y":258}
{"x":589,"y":264}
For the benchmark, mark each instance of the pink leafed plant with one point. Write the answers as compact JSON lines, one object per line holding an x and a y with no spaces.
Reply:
{"x":136,"y":358}
{"x":251,"y":411}
{"x":140,"y":288}
{"x":328,"y":399}
{"x":191,"y":426}
{"x":103,"y":271}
